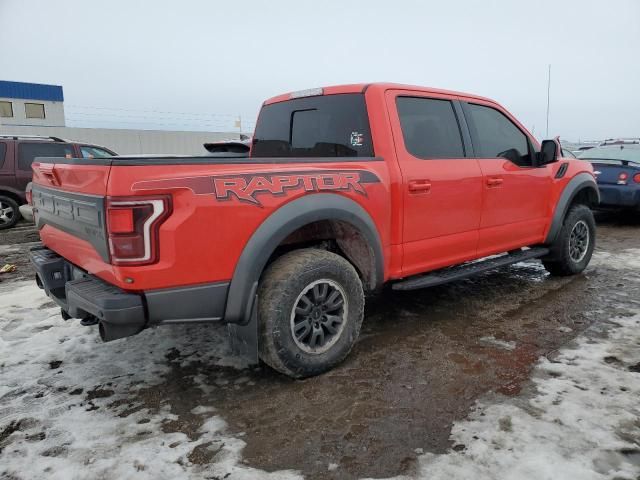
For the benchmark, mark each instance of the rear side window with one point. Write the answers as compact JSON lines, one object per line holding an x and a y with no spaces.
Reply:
{"x":3,"y":153}
{"x":322,"y":126}
{"x":430,"y":128}
{"x":494,"y":135}
{"x":28,"y":151}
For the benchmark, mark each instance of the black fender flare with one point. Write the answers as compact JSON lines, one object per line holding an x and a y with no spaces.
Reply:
{"x":582,"y":181}
{"x":279,"y":225}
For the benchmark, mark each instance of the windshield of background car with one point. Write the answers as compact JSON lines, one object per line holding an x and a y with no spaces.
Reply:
{"x":320,"y":126}
{"x":629,"y":152}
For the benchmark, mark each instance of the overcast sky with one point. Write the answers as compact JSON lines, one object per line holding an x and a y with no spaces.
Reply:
{"x":125,"y":63}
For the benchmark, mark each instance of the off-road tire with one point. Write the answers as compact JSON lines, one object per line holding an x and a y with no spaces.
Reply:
{"x":561,"y":262}
{"x":281,"y":287}
{"x":8,"y":203}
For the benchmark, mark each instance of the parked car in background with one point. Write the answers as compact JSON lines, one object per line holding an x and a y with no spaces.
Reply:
{"x":617,"y":169}
{"x":16,"y":155}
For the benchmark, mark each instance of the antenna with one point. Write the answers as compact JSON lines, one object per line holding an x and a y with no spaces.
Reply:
{"x":548,"y":95}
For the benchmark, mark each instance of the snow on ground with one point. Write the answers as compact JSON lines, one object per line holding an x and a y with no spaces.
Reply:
{"x":59,"y":417}
{"x":579,"y":420}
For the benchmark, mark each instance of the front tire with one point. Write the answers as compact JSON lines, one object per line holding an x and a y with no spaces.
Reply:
{"x":573,"y":248}
{"x":310,"y":310}
{"x":9,"y":212}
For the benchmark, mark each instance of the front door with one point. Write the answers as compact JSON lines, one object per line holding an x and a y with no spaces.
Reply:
{"x":515,"y":203}
{"x":442,"y":188}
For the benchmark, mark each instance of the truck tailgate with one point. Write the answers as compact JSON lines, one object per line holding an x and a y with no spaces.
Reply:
{"x":69,"y":210}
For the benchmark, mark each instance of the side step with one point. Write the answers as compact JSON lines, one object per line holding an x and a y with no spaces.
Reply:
{"x":465,"y":270}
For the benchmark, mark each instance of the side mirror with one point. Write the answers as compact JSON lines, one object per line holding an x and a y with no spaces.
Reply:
{"x":548,"y":152}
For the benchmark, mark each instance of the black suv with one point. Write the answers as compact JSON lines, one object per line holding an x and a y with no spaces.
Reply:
{"x":16,"y":155}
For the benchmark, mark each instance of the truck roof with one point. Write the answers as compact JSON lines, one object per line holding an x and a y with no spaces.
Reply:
{"x":362,"y":87}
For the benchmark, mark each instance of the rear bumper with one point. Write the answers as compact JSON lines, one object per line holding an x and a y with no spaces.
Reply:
{"x":122,"y":313}
{"x":621,"y":196}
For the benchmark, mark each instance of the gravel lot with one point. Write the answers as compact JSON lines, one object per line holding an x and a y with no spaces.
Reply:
{"x":513,"y":374}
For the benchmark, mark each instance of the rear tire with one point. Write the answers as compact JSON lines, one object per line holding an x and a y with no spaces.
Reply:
{"x":9,"y":212}
{"x":310,"y":310}
{"x":573,"y":247}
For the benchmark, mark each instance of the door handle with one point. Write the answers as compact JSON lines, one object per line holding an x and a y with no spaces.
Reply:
{"x":419,"y":186}
{"x":494,"y":181}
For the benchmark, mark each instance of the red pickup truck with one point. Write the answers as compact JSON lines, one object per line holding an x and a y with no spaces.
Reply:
{"x":344,"y":189}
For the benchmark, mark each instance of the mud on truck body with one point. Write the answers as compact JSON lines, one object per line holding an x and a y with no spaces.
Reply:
{"x":344,"y":189}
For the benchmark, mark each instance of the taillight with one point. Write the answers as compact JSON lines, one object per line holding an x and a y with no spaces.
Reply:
{"x":132,"y":228}
{"x":622,"y":178}
{"x":636,"y":178}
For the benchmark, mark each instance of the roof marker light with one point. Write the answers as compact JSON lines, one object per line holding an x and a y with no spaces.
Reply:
{"x":311,"y":92}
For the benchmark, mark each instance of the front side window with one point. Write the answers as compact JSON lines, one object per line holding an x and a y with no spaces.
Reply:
{"x":94,"y":152}
{"x":28,"y":151}
{"x":495,"y":136}
{"x":319,"y":126}
{"x":34,"y":110}
{"x":6,"y":109}
{"x":430,"y":128}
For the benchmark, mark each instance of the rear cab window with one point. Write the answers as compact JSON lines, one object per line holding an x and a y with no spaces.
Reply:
{"x":319,"y":126}
{"x":28,"y":151}
{"x":430,"y":128}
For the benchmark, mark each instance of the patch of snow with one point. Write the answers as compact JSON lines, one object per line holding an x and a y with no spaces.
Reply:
{"x":626,"y":259}
{"x":583,"y":421}
{"x":332,"y":467}
{"x":497,"y":343}
{"x":200,"y":410}
{"x":49,"y":369}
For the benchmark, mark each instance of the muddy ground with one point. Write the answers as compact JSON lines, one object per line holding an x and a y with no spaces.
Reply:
{"x":422,"y":360}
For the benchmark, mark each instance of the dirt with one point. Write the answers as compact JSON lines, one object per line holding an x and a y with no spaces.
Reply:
{"x":14,"y":247}
{"x":422,"y":360}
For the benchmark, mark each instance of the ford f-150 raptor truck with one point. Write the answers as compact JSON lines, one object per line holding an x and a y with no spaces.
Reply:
{"x":344,"y":189}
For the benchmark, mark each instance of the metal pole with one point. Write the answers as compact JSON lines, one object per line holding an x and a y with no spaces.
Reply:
{"x":548,"y":95}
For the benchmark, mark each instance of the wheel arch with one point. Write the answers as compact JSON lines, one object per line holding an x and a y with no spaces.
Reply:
{"x":581,"y":189}
{"x":282,"y":223}
{"x":12,"y":194}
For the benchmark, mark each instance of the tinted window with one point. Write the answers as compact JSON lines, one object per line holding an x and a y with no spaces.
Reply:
{"x":3,"y":153}
{"x":28,"y":151}
{"x":494,"y":135}
{"x":322,"y":126}
{"x":430,"y":128}
{"x":94,"y":152}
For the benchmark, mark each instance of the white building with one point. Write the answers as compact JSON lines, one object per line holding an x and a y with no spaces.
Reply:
{"x":31,"y":104}
{"x":36,"y":109}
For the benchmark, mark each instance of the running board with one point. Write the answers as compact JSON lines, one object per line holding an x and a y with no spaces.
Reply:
{"x":465,"y":270}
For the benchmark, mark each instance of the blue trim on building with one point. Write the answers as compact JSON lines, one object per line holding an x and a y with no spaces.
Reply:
{"x":31,"y":91}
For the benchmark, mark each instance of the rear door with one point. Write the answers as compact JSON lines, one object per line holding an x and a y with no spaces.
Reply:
{"x":515,"y":193}
{"x":442,"y":186}
{"x":27,"y":151}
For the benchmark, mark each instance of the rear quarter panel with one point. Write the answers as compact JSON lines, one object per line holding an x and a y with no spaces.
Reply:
{"x":212,"y":220}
